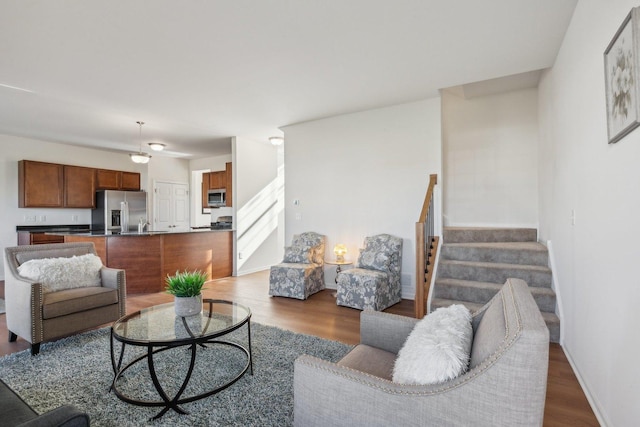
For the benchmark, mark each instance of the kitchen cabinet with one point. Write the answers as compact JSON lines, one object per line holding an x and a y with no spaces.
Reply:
{"x":131,"y":181}
{"x":117,"y":180}
{"x":30,"y":238}
{"x":79,"y":187}
{"x":229,"y":183}
{"x":205,"y":189}
{"x":52,"y":185}
{"x":216,"y":181}
{"x":40,"y":185}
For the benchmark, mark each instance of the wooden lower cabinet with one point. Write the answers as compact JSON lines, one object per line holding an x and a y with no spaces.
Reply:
{"x":30,"y":238}
{"x":148,"y":259}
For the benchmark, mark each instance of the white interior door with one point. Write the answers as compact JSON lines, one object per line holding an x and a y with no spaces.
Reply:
{"x":171,"y":206}
{"x":180,"y":203}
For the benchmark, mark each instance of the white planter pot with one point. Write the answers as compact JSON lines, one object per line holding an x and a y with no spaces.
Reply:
{"x":188,"y":306}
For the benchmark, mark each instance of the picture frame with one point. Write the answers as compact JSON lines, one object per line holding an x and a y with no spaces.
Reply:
{"x":622,"y":79}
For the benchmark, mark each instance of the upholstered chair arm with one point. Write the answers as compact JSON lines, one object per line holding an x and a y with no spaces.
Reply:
{"x":64,"y":416}
{"x":326,"y":393}
{"x":116,"y":279}
{"x":111,"y":277}
{"x":23,"y":301}
{"x":385,"y":331}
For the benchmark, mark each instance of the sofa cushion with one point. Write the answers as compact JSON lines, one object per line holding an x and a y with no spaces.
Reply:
{"x":370,"y":360}
{"x":68,"y":301}
{"x":56,"y":274}
{"x":437,"y":349}
{"x":297,"y":255}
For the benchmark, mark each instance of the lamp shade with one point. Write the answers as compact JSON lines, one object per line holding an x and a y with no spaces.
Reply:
{"x":340,"y":250}
{"x":140,"y":157}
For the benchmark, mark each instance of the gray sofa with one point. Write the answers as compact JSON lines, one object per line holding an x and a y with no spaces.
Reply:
{"x":38,"y":316}
{"x":505,"y":385}
{"x":15,"y":412}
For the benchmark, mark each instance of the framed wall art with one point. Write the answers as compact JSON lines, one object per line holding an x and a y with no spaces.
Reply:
{"x":622,"y":79}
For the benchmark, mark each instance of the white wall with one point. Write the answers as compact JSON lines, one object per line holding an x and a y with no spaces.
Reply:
{"x":14,"y":149}
{"x":490,"y":146}
{"x":596,"y":258}
{"x":363,"y":174}
{"x":256,"y":204}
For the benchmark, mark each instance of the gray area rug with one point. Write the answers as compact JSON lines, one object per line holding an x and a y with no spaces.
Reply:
{"x":77,"y":370}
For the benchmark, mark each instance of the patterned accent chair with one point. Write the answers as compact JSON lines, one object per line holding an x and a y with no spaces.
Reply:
{"x":375,"y":282}
{"x":301,"y":272}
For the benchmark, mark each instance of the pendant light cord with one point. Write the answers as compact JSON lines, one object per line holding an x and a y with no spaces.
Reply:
{"x":140,"y":123}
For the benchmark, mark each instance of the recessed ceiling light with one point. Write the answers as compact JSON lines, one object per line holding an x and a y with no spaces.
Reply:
{"x":157,"y":146}
{"x":276,"y":140}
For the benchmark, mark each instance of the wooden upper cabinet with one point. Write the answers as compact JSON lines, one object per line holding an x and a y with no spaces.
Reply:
{"x":229,"y":183}
{"x":51,"y":185}
{"x":108,"y":179}
{"x":217,"y":180}
{"x":79,"y":187}
{"x":117,"y":180}
{"x":205,"y":189}
{"x":40,"y":184}
{"x":130,"y":181}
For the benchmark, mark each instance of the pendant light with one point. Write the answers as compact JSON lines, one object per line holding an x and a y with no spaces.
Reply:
{"x":140,"y":157}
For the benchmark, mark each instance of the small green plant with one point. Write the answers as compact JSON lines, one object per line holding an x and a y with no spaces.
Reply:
{"x":186,"y":284}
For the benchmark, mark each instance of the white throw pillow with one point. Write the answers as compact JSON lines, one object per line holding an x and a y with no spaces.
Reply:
{"x":56,"y":274}
{"x":437,"y":349}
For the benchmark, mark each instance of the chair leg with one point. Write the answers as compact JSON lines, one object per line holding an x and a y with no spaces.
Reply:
{"x":12,"y":337}
{"x":35,"y":349}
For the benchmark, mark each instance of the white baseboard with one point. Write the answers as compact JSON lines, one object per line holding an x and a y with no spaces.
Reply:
{"x":253,"y":270}
{"x":593,"y":402}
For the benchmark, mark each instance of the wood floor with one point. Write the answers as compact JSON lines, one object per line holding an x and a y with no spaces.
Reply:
{"x":566,"y":404}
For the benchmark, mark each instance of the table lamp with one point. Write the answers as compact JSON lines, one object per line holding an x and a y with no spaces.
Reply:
{"x":340,"y":250}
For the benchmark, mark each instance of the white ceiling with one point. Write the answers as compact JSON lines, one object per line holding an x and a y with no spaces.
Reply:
{"x":201,"y":71}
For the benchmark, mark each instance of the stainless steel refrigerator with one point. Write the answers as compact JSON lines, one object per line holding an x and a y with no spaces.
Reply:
{"x":115,"y":209}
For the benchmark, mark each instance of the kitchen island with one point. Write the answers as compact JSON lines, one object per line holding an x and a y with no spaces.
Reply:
{"x":149,"y":257}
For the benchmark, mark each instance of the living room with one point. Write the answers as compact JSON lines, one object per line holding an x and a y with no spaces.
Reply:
{"x":360,"y":171}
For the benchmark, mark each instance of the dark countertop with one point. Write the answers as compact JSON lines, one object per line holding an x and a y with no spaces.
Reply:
{"x":49,"y":228}
{"x":102,"y":233}
{"x":85,"y":230}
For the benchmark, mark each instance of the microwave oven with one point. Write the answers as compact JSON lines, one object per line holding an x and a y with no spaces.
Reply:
{"x":217,"y":198}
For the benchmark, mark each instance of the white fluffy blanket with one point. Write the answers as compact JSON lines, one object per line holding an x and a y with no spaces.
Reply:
{"x":56,"y":274}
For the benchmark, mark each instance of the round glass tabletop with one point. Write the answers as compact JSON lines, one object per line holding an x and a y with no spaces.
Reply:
{"x":159,"y":325}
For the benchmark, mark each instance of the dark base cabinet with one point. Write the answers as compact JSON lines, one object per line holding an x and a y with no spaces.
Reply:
{"x":27,"y":238}
{"x":148,"y":259}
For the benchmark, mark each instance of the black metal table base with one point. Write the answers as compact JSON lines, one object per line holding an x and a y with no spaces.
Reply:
{"x":173,"y":402}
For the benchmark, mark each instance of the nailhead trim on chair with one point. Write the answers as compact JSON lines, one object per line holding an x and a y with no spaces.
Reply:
{"x":419,"y":390}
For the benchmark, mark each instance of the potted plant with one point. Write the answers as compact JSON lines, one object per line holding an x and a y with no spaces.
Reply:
{"x":186,"y":287}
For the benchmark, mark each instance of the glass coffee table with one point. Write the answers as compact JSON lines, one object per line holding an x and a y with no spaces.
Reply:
{"x":157,"y":329}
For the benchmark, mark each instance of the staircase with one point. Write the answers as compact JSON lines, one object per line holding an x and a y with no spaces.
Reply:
{"x":475,"y":262}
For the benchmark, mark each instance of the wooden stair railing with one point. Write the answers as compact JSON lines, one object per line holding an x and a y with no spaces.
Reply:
{"x":426,"y":250}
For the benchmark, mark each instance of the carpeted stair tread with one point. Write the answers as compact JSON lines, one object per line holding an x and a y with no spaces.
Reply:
{"x":551,"y":319}
{"x":489,"y":234}
{"x":527,"y":253}
{"x":482,"y":292}
{"x":534,"y":275}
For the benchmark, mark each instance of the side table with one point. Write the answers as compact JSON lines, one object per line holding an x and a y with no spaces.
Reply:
{"x":338,"y":265}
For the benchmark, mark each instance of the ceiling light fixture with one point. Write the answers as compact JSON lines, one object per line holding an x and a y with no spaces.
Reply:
{"x":276,"y":140}
{"x":140,"y":157}
{"x":157,"y":146}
